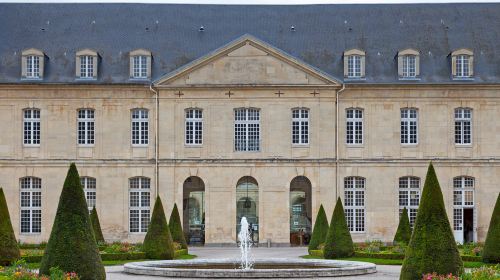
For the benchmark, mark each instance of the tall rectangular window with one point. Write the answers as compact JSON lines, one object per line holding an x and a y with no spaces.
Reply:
{"x":409,"y":126}
{"x":462,"y":66}
{"x":31,"y":205}
{"x":32,"y":66}
{"x":86,"y":66}
{"x":31,"y":127}
{"x":139,"y":207}
{"x":354,"y":198}
{"x":246,"y":129}
{"x":354,"y":66}
{"x":300,"y":126}
{"x":463,"y":125}
{"x":354,"y":126}
{"x":409,"y":196}
{"x":194,"y":127}
{"x":89,"y":188}
{"x":409,"y":66}
{"x":86,"y":127}
{"x":140,"y":67}
{"x":140,"y":127}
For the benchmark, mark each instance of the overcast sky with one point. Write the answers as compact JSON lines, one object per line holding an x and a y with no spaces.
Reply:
{"x":281,"y":2}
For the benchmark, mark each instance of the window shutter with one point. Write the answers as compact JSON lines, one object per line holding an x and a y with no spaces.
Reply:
{"x":345,"y":65}
{"x":453,"y":66}
{"x":24,"y":65}
{"x":78,"y":67}
{"x":131,"y":66}
{"x":148,"y":66}
{"x":41,"y":65}
{"x":363,"y":66}
{"x":471,"y":65}
{"x":417,"y":65}
{"x":400,"y":65}
{"x":95,"y":65}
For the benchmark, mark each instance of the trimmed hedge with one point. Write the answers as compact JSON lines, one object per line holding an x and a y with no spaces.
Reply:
{"x":72,"y":246}
{"x":175,"y":226}
{"x":388,"y":256}
{"x":158,"y":242}
{"x":403,"y":234}
{"x":338,"y":242}
{"x":320,"y":229}
{"x":111,"y":256}
{"x":432,"y":247}
{"x":9,"y":250}
{"x":491,"y":251}
{"x":96,"y":226}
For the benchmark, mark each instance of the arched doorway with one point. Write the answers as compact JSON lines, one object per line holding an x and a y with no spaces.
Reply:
{"x":247,"y":205}
{"x":300,"y":211}
{"x":194,"y":210}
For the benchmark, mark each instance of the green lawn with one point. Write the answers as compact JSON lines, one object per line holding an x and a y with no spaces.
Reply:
{"x":395,"y":262}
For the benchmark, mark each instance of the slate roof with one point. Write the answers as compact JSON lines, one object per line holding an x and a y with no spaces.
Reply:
{"x":322,"y":33}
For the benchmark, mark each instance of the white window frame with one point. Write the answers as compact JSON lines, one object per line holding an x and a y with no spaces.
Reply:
{"x":32,"y":67}
{"x":90,"y":189}
{"x":300,"y":126}
{"x":409,"y":66}
{"x":354,"y":126}
{"x":409,"y":126}
{"x":247,"y":130}
{"x":30,"y":192}
{"x":354,"y":66}
{"x":140,"y":187}
{"x":31,"y":127}
{"x":86,"y":127}
{"x":87,"y":67}
{"x":463,"y":197}
{"x":408,"y":192}
{"x":194,"y":127}
{"x":140,"y":127}
{"x":140,"y":67}
{"x":462,"y":66}
{"x":463,"y":121}
{"x":354,"y":200}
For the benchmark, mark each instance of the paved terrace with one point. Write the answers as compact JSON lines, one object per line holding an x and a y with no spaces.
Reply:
{"x":385,"y":272}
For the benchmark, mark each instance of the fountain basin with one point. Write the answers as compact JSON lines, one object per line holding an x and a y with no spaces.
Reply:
{"x":263,"y":268}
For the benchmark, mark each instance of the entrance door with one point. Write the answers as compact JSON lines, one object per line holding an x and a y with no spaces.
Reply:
{"x":194,"y":211}
{"x":463,"y":209}
{"x":300,"y":211}
{"x":247,"y":205}
{"x":458,"y":225}
{"x":468,"y":225}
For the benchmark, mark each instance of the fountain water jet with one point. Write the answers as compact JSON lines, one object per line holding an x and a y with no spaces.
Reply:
{"x":245,"y":244}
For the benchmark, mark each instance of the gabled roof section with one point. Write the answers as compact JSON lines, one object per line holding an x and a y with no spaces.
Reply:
{"x":246,"y":61}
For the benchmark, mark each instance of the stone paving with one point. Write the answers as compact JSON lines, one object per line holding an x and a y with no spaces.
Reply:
{"x":384,"y":272}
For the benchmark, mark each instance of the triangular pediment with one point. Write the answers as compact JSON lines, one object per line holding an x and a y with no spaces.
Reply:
{"x":246,"y":61}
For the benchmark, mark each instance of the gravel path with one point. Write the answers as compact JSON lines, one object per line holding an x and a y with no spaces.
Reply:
{"x":384,"y":272}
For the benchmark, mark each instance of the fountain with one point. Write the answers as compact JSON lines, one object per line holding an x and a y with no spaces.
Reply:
{"x":249,"y":268}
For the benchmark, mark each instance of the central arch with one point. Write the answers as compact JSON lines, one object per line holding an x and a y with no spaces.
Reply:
{"x":300,"y":211}
{"x":247,"y":205}
{"x":193,"y":210}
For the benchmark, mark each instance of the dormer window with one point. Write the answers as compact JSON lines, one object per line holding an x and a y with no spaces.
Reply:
{"x":140,"y":64}
{"x":86,"y":64}
{"x":32,"y":64}
{"x":462,"y":63}
{"x":408,"y":64}
{"x":354,"y":64}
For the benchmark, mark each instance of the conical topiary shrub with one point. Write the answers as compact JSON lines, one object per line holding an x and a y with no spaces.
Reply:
{"x":72,"y":245}
{"x":432,"y":247}
{"x":491,"y":251}
{"x":320,"y":229}
{"x":9,"y":250}
{"x":338,"y":242}
{"x":158,"y":242}
{"x":174,"y":224}
{"x":403,"y":234}
{"x":96,"y":226}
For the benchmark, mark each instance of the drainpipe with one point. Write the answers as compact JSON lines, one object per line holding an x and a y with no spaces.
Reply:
{"x":157,"y":104}
{"x":337,"y":141}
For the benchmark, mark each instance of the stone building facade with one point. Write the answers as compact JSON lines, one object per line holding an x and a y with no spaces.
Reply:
{"x":249,"y":126}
